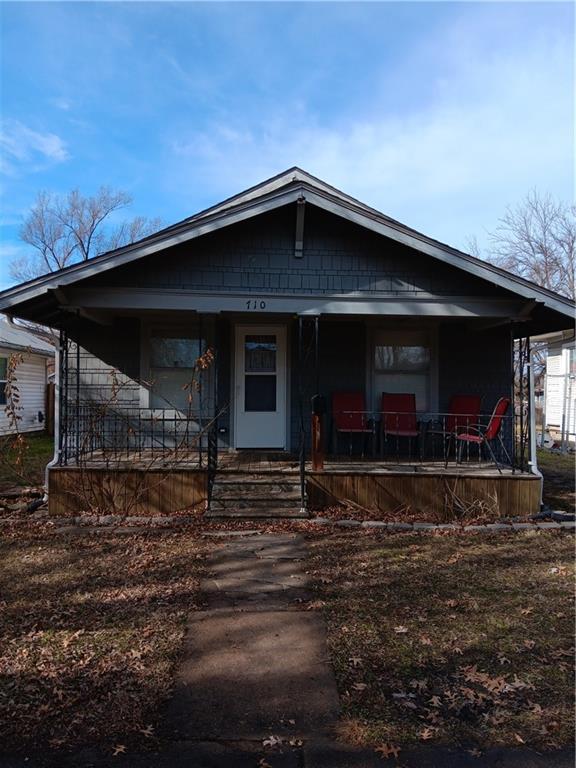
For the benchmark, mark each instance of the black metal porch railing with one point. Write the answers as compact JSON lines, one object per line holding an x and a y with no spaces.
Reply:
{"x":101,"y":433}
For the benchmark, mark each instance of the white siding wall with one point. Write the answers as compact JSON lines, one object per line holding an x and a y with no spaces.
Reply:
{"x":560,"y":392}
{"x":31,"y":382}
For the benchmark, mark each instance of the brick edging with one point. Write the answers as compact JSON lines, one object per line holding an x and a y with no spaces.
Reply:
{"x":425,"y":527}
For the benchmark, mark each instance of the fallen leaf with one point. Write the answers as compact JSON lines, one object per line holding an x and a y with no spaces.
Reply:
{"x":119,"y":749}
{"x":425,"y":640}
{"x":388,"y":750}
{"x":400,"y":630}
{"x":474,"y":752}
{"x":272,"y":741}
{"x":529,"y":644}
{"x":519,"y":738}
{"x":148,"y":731}
{"x":426,"y":734}
{"x":315,"y":604}
{"x":359,"y":686}
{"x":356,"y":661}
{"x":263,"y":763}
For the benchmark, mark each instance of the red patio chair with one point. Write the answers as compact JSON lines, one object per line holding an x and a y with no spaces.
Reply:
{"x":349,"y":416}
{"x":463,"y":411}
{"x":479,"y":435}
{"x":399,"y":416}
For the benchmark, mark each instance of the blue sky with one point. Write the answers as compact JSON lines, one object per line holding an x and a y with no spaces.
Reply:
{"x":439,"y":114}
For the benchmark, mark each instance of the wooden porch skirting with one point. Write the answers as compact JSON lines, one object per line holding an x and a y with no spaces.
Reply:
{"x":427,"y":496}
{"x":73,"y":490}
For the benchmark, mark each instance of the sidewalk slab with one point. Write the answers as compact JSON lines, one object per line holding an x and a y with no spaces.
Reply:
{"x":245,"y":672}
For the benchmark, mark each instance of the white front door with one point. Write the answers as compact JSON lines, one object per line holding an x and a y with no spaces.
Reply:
{"x":260,"y":386}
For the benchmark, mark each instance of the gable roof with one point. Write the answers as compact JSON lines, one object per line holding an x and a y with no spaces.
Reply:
{"x":22,"y":339}
{"x":280,"y":190}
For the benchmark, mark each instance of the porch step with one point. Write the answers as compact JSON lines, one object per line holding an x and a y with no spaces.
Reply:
{"x":241,"y":490}
{"x":255,"y":495}
{"x":261,"y":513}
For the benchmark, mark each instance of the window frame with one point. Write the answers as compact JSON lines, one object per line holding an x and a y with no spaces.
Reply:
{"x":4,"y":381}
{"x":400,"y":334}
{"x":154,"y":328}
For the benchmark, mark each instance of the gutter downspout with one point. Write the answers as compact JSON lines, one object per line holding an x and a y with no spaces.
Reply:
{"x":533,"y":460}
{"x":57,"y":386}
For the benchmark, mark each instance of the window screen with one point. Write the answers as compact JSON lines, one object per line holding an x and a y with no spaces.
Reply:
{"x":401,"y":363}
{"x":173,"y":356}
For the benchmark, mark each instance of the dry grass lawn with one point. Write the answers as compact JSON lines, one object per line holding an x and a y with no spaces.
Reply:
{"x":455,"y":639}
{"x":90,"y":628}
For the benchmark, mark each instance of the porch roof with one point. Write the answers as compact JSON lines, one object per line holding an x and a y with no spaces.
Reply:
{"x":41,"y":299}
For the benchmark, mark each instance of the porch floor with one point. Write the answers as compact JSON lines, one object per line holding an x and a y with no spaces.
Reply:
{"x":265,"y":462}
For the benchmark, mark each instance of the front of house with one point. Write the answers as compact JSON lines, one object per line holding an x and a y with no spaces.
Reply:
{"x":290,"y":293}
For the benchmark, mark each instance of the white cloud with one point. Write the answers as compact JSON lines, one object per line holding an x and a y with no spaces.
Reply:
{"x":24,"y":149}
{"x":61,"y":102}
{"x":499,"y":123}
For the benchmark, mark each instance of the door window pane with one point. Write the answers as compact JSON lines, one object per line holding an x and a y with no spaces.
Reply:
{"x":260,"y":393}
{"x":260,"y":354}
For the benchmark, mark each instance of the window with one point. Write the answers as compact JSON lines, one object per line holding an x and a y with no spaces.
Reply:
{"x":402,"y":362}
{"x":173,"y":356}
{"x":3,"y":375}
{"x":260,"y":373}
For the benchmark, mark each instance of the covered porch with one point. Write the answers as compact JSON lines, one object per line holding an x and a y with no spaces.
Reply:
{"x":178,"y":427}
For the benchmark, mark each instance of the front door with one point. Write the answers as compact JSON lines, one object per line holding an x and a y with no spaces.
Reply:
{"x":260,"y":386}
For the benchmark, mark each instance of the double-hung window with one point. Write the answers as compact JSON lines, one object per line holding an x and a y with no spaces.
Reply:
{"x":3,"y":379}
{"x":173,"y":356}
{"x":402,"y":363}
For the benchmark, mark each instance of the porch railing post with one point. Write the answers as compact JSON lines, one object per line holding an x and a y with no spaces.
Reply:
{"x":62,"y":397}
{"x":301,"y":406}
{"x":513,"y":396}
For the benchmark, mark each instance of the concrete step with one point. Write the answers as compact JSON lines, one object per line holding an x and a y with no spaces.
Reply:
{"x":241,"y":476}
{"x":256,"y":502}
{"x":255,"y":513}
{"x":256,"y":490}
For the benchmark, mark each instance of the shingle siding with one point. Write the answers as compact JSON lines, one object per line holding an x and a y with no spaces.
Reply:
{"x":258,"y":255}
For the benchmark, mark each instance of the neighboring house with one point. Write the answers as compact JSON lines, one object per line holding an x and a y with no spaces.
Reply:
{"x":31,"y":377}
{"x":560,"y":392}
{"x":299,"y":290}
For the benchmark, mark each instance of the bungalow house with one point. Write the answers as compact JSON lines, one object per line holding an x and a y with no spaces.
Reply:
{"x":286,"y":349}
{"x":34,"y":358}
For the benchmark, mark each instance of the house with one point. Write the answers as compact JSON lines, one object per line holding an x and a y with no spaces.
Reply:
{"x":559,"y":407}
{"x":34,"y":360}
{"x":291,"y":294}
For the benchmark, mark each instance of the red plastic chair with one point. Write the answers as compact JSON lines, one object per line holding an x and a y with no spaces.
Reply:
{"x":349,"y":416}
{"x":479,"y":435}
{"x":399,"y":416}
{"x":463,"y":410}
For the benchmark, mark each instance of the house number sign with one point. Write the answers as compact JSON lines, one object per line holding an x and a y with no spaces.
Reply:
{"x":255,"y":304}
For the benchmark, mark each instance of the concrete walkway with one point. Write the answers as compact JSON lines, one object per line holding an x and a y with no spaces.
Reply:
{"x":255,"y":662}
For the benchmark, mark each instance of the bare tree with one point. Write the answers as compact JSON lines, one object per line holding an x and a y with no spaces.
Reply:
{"x":63,"y":229}
{"x":537,"y":240}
